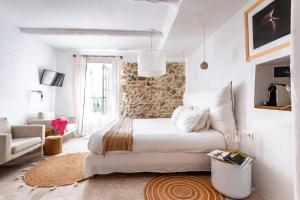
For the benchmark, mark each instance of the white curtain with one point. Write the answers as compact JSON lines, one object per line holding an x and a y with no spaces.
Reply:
{"x":116,"y":62}
{"x":79,"y":69}
{"x":295,"y":71}
{"x":91,"y":120}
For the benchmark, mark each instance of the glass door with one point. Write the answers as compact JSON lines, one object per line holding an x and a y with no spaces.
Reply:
{"x":100,"y":96}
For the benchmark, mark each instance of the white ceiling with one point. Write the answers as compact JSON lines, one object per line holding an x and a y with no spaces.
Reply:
{"x":180,"y":24}
{"x":104,"y":14}
{"x":186,"y":33}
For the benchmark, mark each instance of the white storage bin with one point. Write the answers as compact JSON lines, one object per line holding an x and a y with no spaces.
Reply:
{"x":231,"y":180}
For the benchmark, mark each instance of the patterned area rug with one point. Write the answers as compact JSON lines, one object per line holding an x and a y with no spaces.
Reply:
{"x":57,"y":171}
{"x":179,"y":188}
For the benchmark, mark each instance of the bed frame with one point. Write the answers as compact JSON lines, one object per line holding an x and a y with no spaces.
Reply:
{"x":145,"y":162}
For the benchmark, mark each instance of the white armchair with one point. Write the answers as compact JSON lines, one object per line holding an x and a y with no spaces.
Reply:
{"x":16,"y":141}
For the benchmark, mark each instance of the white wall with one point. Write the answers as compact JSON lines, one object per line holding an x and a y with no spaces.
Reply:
{"x":64,"y":95}
{"x":295,"y":69}
{"x":21,"y":60}
{"x":272,"y":144}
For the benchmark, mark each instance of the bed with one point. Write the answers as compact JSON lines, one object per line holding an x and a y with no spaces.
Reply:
{"x":160,"y":146}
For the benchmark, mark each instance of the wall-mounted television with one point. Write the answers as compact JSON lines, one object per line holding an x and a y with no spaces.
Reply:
{"x":52,"y":78}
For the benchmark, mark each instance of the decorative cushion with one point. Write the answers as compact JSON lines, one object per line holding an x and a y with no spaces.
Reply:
{"x":203,"y":120}
{"x":177,"y":113}
{"x":60,"y":124}
{"x":188,"y":119}
{"x":4,"y":125}
{"x":207,"y":123}
{"x":20,"y":144}
{"x":220,"y":103}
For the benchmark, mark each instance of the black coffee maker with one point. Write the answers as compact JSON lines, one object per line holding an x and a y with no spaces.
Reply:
{"x":272,"y":96}
{"x":278,"y":95}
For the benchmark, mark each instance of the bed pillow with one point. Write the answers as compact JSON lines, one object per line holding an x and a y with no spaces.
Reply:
{"x":203,"y":122}
{"x":188,"y":120}
{"x":206,"y":127}
{"x":220,"y":103}
{"x":177,"y":113}
{"x":207,"y":123}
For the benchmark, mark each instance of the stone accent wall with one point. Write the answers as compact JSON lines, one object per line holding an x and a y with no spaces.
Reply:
{"x":151,"y":97}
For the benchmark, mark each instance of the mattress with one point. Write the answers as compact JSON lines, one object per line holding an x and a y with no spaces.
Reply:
{"x":162,"y":136}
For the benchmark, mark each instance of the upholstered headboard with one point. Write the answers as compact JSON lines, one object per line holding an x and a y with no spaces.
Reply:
{"x":220,"y":103}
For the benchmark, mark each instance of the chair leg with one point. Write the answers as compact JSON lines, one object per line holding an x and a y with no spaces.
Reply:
{"x":42,"y":151}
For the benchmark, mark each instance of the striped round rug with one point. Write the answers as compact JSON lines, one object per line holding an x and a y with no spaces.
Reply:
{"x":179,"y":188}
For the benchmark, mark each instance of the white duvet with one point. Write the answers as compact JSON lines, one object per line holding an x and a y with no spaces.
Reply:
{"x":162,"y":136}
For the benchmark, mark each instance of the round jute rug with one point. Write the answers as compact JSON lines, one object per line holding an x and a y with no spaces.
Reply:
{"x":57,"y":171}
{"x":179,"y":188}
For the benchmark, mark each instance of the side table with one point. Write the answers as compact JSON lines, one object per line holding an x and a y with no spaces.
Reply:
{"x":231,"y":180}
{"x":53,"y":145}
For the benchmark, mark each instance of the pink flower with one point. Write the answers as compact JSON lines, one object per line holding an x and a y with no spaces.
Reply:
{"x":60,"y":125}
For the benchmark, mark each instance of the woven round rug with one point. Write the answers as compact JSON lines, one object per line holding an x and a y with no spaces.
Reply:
{"x":179,"y":188}
{"x":57,"y":171}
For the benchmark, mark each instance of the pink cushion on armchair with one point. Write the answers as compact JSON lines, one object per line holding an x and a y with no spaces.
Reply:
{"x":60,"y":124}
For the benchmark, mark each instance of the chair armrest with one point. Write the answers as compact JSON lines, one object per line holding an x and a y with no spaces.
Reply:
{"x":25,"y":131}
{"x":71,"y":119}
{"x":45,"y":122}
{"x":5,"y":146}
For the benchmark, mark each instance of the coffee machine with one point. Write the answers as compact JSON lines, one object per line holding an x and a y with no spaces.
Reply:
{"x":278,"y":95}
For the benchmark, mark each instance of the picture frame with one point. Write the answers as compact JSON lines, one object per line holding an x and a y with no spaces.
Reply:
{"x":261,"y":45}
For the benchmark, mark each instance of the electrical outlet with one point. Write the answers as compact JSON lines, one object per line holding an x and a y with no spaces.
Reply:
{"x":248,"y":134}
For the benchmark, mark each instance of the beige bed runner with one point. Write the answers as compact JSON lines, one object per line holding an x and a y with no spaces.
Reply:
{"x":119,"y":137}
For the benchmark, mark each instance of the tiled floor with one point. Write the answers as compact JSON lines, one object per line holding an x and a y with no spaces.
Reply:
{"x":108,"y":187}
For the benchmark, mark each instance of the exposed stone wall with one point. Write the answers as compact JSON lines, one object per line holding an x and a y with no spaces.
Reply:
{"x":151,"y":97}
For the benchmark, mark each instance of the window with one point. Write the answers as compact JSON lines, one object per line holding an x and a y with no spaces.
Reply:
{"x":101,"y":93}
{"x":100,"y":87}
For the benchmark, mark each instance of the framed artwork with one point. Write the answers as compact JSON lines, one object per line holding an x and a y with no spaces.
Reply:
{"x":267,"y":27}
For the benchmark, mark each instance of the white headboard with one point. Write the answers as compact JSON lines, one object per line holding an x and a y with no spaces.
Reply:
{"x":220,"y":103}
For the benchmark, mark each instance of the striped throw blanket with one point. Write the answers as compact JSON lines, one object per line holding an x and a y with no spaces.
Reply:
{"x":119,"y":137}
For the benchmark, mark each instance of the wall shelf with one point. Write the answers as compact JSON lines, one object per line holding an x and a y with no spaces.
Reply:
{"x":283,"y":108}
{"x":264,"y":77}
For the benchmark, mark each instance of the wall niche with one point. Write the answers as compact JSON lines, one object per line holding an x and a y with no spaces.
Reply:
{"x":272,"y":85}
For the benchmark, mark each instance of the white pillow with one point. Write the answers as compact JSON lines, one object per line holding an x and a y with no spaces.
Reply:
{"x":188,"y":119}
{"x":177,"y":113}
{"x":207,"y":123}
{"x":220,"y":103}
{"x":202,"y":123}
{"x":206,"y":127}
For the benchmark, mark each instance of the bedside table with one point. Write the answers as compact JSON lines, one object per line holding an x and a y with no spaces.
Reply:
{"x":231,"y":180}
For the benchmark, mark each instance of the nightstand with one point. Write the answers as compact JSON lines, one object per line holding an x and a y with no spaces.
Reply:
{"x":231,"y":180}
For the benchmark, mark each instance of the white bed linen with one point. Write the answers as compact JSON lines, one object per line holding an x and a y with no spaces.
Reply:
{"x":162,"y":136}
{"x":145,"y":162}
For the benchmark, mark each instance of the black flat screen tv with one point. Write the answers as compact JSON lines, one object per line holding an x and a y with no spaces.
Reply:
{"x":52,"y":78}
